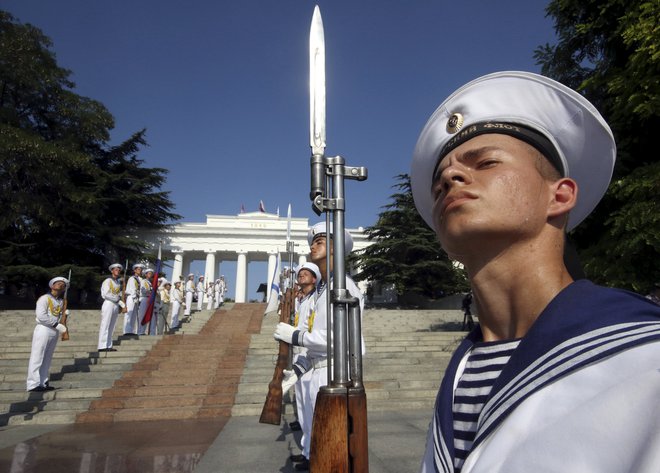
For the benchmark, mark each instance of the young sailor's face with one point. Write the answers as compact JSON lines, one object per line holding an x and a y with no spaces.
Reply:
{"x":317,"y":251}
{"x":488,"y":188}
{"x":115,"y":272}
{"x":58,"y":287}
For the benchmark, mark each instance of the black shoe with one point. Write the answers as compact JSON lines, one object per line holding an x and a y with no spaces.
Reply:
{"x":110,"y":349}
{"x":49,"y":388}
{"x":297,"y":458}
{"x":295,"y":425}
{"x":38,"y":389}
{"x":302,"y":466}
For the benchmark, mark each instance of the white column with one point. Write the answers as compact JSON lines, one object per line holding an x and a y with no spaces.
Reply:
{"x":272,"y":262}
{"x":177,"y":270}
{"x":209,"y":269}
{"x":241,"y":277}
{"x":302,"y":259}
{"x":186,"y":266}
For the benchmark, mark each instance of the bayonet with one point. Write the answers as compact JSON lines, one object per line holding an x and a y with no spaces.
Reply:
{"x":339,"y":430}
{"x":317,"y":108}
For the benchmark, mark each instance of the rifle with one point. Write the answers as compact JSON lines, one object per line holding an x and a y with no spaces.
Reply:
{"x":65,"y":335}
{"x":272,"y":410}
{"x":339,"y":431}
{"x":123,"y":289}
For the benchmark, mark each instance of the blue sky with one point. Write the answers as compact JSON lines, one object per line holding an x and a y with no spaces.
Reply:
{"x":222,"y":86}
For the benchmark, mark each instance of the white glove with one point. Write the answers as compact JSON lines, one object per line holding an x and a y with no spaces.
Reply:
{"x":60,"y":328}
{"x":284,"y":332}
{"x":67,"y":312}
{"x":122,"y":304}
{"x":289,"y":380}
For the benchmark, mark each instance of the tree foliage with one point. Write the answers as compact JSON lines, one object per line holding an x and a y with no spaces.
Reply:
{"x":610,"y":51}
{"x":68,"y":196}
{"x":405,"y":251}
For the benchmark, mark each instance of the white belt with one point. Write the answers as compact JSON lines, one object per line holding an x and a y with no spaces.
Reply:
{"x":318,"y":363}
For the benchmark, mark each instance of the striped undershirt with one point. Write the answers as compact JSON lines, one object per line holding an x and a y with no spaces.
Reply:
{"x":484,"y":365}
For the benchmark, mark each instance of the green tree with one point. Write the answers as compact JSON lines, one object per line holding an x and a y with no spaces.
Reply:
{"x":405,"y":251}
{"x":68,"y":196}
{"x":610,"y":51}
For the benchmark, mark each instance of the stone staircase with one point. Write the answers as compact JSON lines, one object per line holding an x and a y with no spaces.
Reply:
{"x":407,"y":354}
{"x":78,"y":371}
{"x":184,"y":377}
{"x":219,"y":363}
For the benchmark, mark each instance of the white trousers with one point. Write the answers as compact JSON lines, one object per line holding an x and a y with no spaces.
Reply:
{"x":142,"y":329}
{"x":44,"y":340}
{"x":311,"y":382}
{"x":109,"y":314}
{"x":176,"y":308}
{"x":217,"y":300}
{"x":209,"y":303}
{"x":189,"y":298}
{"x":130,"y":317}
{"x":200,"y":300}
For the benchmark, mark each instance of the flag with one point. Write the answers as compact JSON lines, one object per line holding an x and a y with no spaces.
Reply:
{"x":154,"y":290}
{"x":273,"y":301}
{"x":262,"y":207}
{"x":242,"y":208}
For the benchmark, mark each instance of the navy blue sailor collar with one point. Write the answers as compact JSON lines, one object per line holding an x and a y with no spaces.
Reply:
{"x":582,"y":324}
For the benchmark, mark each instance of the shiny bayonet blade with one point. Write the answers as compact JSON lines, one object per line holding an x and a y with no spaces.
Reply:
{"x":317,"y":84}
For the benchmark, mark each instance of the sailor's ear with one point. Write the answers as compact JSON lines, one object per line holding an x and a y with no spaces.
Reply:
{"x":563,"y":197}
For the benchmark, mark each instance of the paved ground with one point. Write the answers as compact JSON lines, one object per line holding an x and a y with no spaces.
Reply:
{"x":396,"y":444}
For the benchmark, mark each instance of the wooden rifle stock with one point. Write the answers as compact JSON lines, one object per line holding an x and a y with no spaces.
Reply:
{"x":272,"y":410}
{"x":339,"y":432}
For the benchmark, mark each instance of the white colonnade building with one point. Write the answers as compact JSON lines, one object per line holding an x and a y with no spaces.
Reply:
{"x":244,"y":238}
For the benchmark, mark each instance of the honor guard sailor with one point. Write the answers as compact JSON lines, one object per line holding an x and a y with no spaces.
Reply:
{"x":312,"y":367}
{"x":133,"y":300}
{"x":201,"y":289}
{"x":190,"y":290}
{"x":112,"y":303}
{"x":145,"y":292}
{"x":46,"y":333}
{"x":559,"y":375}
{"x":165,"y":295}
{"x":209,"y":295}
{"x":177,"y":300}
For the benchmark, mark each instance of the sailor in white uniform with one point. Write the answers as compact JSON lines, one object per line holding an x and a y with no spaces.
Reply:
{"x":209,"y":296}
{"x":133,"y":300}
{"x":44,"y":338}
{"x":176,"y":298}
{"x":145,"y":292}
{"x":200,"y":292}
{"x":312,"y":367}
{"x":190,"y":290}
{"x":112,"y":303}
{"x":560,"y":374}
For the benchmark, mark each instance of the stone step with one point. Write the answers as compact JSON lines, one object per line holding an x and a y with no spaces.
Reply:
{"x":33,"y":406}
{"x":45,"y":418}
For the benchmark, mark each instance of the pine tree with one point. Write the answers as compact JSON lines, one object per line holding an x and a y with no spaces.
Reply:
{"x":405,"y":251}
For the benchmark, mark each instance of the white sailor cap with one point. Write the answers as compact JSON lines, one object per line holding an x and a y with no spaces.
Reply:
{"x":177,"y":282}
{"x":56,"y":279}
{"x":138,"y":265}
{"x":319,"y":229}
{"x":148,"y":270}
{"x":564,"y":126}
{"x":191,"y":275}
{"x":164,"y":281}
{"x":115,"y":265}
{"x":310,"y":267}
{"x":201,"y":277}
